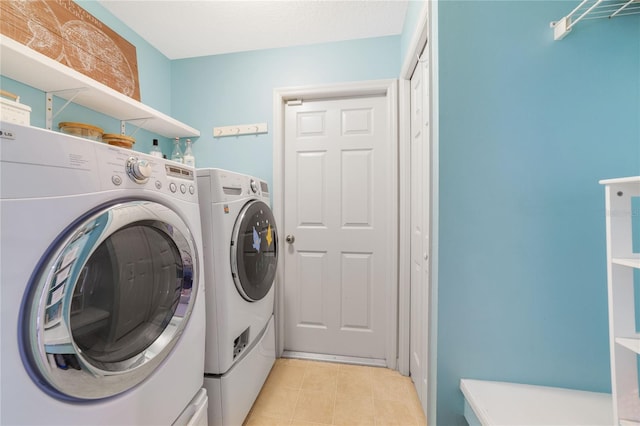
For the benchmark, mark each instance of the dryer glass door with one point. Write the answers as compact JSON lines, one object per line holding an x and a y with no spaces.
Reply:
{"x":254,"y":251}
{"x":110,"y":301}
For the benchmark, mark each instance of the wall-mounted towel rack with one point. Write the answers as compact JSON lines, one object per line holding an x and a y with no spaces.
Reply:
{"x":240,"y":129}
{"x":593,"y":9}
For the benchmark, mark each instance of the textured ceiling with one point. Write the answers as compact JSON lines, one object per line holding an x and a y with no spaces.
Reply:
{"x":187,"y":28}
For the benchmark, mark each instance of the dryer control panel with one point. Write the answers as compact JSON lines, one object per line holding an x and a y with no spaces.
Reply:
{"x":224,"y":186}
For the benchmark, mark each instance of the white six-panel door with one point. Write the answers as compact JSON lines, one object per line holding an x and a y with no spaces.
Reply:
{"x":336,"y":204}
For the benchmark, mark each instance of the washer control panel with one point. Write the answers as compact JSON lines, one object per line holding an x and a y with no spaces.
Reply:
{"x":254,"y":186}
{"x":179,"y":172}
{"x":126,"y":169}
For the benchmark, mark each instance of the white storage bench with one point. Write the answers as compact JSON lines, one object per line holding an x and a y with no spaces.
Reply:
{"x":509,"y":404}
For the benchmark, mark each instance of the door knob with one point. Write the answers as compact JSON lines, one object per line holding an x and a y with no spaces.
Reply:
{"x":290,"y":239}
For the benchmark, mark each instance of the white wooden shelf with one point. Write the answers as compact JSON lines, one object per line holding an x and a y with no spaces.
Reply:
{"x":501,"y":403}
{"x":631,"y":343}
{"x":632,"y":262}
{"x":32,"y":68}
{"x":624,"y":339}
{"x":593,"y":9}
{"x":621,"y":181}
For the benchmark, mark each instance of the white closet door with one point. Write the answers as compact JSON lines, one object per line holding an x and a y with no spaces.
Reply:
{"x":420,"y":222}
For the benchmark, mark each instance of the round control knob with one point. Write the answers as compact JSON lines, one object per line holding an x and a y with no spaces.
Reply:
{"x":254,"y":186}
{"x":138,"y":170}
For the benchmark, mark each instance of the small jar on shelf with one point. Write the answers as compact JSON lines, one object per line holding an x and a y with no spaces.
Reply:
{"x":176,"y":154}
{"x":188,"y":158}
{"x":155,"y":149}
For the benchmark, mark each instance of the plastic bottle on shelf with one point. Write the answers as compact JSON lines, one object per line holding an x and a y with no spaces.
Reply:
{"x":188,"y":158}
{"x":176,"y":154}
{"x":155,"y":149}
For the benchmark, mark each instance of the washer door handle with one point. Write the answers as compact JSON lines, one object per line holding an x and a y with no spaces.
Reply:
{"x":290,"y":239}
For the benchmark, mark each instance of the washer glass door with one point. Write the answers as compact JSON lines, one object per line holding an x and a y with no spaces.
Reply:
{"x":254,"y":251}
{"x":110,"y":301}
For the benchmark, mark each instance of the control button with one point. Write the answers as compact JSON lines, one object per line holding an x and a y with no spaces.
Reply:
{"x":117,"y":180}
{"x":172,"y":187}
{"x":254,"y":186}
{"x":158,"y":184}
{"x":183,"y":188}
{"x":138,"y":170}
{"x":192,"y":190}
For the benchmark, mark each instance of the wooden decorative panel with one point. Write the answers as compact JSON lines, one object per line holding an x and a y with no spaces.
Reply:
{"x":64,"y":31}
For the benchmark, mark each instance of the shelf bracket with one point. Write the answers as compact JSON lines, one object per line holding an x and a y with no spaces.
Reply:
{"x":123,"y":125}
{"x":49,"y":115}
{"x":561,"y":28}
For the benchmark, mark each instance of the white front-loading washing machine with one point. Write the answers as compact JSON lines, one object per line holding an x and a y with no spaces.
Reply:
{"x":102,"y":292}
{"x":240,"y":252}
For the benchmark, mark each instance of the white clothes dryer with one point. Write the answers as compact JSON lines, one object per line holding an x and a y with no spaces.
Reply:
{"x":240,"y":252}
{"x":102,"y":290}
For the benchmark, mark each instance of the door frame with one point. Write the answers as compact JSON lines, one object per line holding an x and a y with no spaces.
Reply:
{"x":281,"y":96}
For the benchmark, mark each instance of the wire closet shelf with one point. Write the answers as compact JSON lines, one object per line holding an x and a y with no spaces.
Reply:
{"x":593,"y":9}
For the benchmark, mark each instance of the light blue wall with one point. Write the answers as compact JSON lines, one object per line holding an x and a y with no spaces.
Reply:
{"x":154,"y":73}
{"x":154,"y":69}
{"x":528,"y":126}
{"x":238,"y":88}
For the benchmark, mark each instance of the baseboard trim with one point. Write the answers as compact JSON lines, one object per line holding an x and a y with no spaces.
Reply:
{"x":373,"y":362}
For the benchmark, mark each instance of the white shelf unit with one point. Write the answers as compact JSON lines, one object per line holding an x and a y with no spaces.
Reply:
{"x":488,"y":403}
{"x":593,"y":9}
{"x":622,"y":263}
{"x":32,"y":68}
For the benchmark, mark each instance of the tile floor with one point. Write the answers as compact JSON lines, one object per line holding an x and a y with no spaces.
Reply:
{"x":301,"y":392}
